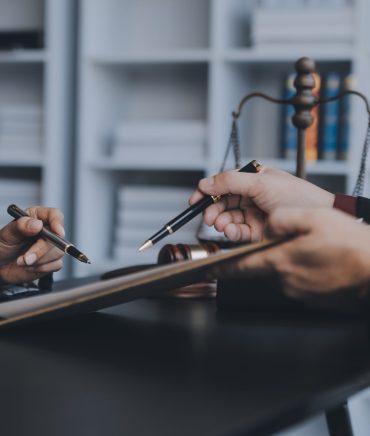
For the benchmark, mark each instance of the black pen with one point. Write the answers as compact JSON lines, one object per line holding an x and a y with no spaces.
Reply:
{"x":45,"y":233}
{"x":192,"y":211}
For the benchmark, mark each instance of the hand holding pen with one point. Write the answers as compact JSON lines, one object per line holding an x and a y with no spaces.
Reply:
{"x":52,"y":237}
{"x":23,"y":256}
{"x":192,"y":211}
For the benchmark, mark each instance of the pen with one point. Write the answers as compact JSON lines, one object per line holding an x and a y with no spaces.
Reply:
{"x":45,"y":233}
{"x":192,"y":211}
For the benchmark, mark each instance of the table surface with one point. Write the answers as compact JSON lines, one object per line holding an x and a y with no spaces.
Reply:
{"x":176,"y":367}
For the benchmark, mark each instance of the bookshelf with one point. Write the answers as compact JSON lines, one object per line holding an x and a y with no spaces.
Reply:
{"x":162,"y":61}
{"x":35,"y":106}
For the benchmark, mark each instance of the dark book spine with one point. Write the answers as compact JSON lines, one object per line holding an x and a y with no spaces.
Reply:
{"x":345,"y":122}
{"x":330,"y":118}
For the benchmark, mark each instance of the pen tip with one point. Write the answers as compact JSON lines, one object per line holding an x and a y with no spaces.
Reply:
{"x":147,"y":244}
{"x":83,"y":258}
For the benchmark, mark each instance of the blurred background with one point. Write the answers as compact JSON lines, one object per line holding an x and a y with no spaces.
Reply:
{"x":113,"y":110}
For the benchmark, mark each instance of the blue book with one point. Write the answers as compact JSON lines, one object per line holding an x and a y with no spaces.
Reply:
{"x":289,"y":137}
{"x":345,"y":114}
{"x":330,"y":111}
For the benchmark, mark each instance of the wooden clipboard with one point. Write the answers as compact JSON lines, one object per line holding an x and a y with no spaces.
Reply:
{"x":106,"y":293}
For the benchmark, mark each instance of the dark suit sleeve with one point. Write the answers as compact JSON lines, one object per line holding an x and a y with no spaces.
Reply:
{"x":363,"y":209}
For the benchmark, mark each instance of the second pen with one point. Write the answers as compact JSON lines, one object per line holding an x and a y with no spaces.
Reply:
{"x":192,"y":211}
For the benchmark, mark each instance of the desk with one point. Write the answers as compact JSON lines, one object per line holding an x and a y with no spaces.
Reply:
{"x":176,"y":367}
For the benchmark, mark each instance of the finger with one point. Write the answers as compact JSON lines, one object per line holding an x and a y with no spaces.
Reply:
{"x":15,"y":274}
{"x":15,"y":232}
{"x":230,"y":182}
{"x":241,"y":226}
{"x":225,"y":218}
{"x":51,"y":256}
{"x":226,"y":203}
{"x":32,"y":273}
{"x":31,"y":259}
{"x":256,"y":221}
{"x":37,"y":271}
{"x":53,"y":218}
{"x":36,"y":252}
{"x":238,"y":232}
{"x":196,"y":196}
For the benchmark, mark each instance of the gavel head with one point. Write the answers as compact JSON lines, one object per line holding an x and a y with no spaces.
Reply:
{"x":171,"y":253}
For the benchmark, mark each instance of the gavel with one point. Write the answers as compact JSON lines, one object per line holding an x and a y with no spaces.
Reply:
{"x":171,"y":253}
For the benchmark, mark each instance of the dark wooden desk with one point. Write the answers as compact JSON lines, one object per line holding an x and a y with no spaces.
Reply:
{"x":171,"y":367}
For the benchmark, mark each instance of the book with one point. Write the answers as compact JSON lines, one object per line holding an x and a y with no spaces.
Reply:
{"x":105,"y":293}
{"x":312,"y":132}
{"x":345,"y":120}
{"x":330,"y":114}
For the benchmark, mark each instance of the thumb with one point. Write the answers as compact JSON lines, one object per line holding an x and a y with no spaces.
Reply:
{"x":15,"y":232}
{"x":289,"y":221}
{"x":229,"y":182}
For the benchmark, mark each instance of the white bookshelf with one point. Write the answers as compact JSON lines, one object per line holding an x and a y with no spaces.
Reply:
{"x":171,"y":60}
{"x":39,"y":78}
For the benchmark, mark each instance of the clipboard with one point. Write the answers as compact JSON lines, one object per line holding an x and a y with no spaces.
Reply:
{"x":102,"y":294}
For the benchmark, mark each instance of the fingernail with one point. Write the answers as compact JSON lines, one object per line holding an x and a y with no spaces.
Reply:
{"x":61,"y":231}
{"x":207,"y":181}
{"x":34,"y":224}
{"x":30,"y":259}
{"x":20,"y":261}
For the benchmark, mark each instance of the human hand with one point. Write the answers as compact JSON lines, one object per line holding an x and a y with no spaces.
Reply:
{"x":25,"y":257}
{"x":329,"y":251}
{"x":250,"y":198}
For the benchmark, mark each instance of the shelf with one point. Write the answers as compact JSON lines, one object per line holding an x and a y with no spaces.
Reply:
{"x":34,"y":161}
{"x":280,"y":53}
{"x":289,"y":53}
{"x":114,"y":165}
{"x":23,"y":56}
{"x":152,"y":57}
{"x":335,"y":168}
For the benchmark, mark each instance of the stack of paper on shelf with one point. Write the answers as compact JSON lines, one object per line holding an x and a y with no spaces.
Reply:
{"x":160,"y":142}
{"x":141,"y":212}
{"x":23,"y":193}
{"x":21,"y":130}
{"x":305,"y":24}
